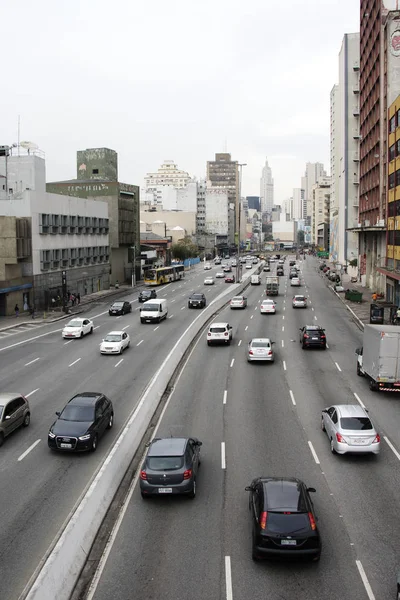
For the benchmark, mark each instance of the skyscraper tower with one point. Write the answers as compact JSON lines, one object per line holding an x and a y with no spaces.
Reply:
{"x":266,"y":189}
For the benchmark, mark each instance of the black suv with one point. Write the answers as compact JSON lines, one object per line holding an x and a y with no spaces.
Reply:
{"x":81,"y":423}
{"x":197,"y":301}
{"x":280,"y":271}
{"x":145,"y":295}
{"x":312,"y":336}
{"x":283,"y":519}
{"x":170,"y":467}
{"x":120,"y":308}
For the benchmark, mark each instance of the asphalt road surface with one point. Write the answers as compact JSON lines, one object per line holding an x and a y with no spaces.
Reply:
{"x":39,"y":488}
{"x":256,"y":419}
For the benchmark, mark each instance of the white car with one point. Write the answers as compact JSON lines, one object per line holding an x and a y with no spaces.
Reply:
{"x":219,"y":332}
{"x":209,"y":281}
{"x":299,"y":302}
{"x":295,"y":281}
{"x":207,"y":267}
{"x":219,"y":275}
{"x":249,"y":266}
{"x":77,"y":328}
{"x":115,"y":342}
{"x":267,"y":306}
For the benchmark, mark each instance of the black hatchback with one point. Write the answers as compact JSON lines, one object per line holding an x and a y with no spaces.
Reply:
{"x":197,"y":300}
{"x":120,"y":308}
{"x":170,"y":467}
{"x":145,"y":295}
{"x":81,"y":423}
{"x":283,"y":519}
{"x":312,"y":336}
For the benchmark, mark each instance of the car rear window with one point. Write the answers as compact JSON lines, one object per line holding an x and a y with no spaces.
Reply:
{"x":118,"y":304}
{"x":165,"y":463}
{"x":299,"y":298}
{"x":356,"y":423}
{"x":260,"y":344}
{"x":287,"y":523}
{"x":217,"y":329}
{"x":237,"y":299}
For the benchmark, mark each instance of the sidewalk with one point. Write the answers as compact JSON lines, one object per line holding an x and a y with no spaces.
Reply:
{"x":57,"y":314}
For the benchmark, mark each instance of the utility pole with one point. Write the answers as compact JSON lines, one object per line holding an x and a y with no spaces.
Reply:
{"x":238,"y":263}
{"x":133,"y":248}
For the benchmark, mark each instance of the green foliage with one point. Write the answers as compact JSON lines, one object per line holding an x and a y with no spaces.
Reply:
{"x":353,"y":263}
{"x":300,"y":236}
{"x":184,"y":249}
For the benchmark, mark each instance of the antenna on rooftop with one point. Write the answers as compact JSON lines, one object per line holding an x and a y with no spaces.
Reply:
{"x":18,"y":136}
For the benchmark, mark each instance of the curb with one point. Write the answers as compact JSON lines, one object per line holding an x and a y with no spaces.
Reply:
{"x":356,"y":319}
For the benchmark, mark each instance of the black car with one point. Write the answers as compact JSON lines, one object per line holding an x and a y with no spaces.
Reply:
{"x":283,"y":519}
{"x":81,"y":423}
{"x":280,"y":271}
{"x":197,"y":301}
{"x":312,"y":336}
{"x":120,"y":308}
{"x":292,"y":263}
{"x":170,"y":467}
{"x":293,"y":273}
{"x":145,"y":295}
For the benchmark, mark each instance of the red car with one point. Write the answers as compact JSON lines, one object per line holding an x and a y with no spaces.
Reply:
{"x":230,"y":279}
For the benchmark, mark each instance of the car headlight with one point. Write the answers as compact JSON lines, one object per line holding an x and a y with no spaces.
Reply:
{"x":84,"y":437}
{"x":52,"y":435}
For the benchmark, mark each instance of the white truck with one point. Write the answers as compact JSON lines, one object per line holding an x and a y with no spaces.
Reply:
{"x":272,"y":286}
{"x":378,"y":360}
{"x":255,"y":280}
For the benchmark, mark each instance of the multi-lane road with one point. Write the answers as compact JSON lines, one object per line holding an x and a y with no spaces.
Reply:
{"x":256,"y":419}
{"x":39,"y":488}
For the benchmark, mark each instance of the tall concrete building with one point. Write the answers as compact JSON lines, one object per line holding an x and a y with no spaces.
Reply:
{"x":299,"y":204}
{"x":266,"y":189}
{"x":314,"y":172}
{"x":345,"y":142}
{"x":223,"y":173}
{"x":167,"y":174}
{"x":320,"y":212}
{"x":253,"y":202}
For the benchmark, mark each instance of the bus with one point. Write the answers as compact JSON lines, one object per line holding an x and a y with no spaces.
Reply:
{"x":164,"y":275}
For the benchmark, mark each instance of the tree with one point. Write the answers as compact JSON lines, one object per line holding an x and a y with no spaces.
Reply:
{"x":300,"y":236}
{"x":184,"y":249}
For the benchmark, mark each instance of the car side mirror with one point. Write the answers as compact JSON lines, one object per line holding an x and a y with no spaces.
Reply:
{"x":249,"y":488}
{"x":198,"y":443}
{"x":311,"y":490}
{"x":58,"y":413}
{"x":7,"y":418}
{"x":272,"y":343}
{"x":324,"y":411}
{"x":140,"y":309}
{"x":358,"y":351}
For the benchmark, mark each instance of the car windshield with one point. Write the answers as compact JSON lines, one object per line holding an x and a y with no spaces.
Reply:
{"x":237,"y":299}
{"x":197,"y":296}
{"x":287,"y":522}
{"x":113,"y":338}
{"x":356,"y":423}
{"x":74,"y":324}
{"x":73,"y":412}
{"x":146,"y":293}
{"x":164,"y":463}
{"x":260,"y":344}
{"x":151,"y":307}
{"x":217,"y":329}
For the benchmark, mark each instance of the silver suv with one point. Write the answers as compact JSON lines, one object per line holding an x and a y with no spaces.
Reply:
{"x":14,"y":412}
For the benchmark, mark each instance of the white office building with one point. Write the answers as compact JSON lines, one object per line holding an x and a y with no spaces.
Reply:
{"x":299,"y":204}
{"x":266,"y":189}
{"x":314,"y":172}
{"x":167,"y":175}
{"x":345,"y":142}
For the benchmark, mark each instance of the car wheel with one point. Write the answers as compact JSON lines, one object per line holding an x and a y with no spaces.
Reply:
{"x":121,"y":350}
{"x":189,"y":305}
{"x":208,"y":343}
{"x":94,"y":444}
{"x":1,"y":438}
{"x":81,"y":334}
{"x":128,"y":344}
{"x":144,"y":496}
{"x":303,"y":346}
{"x":316,"y":558}
{"x":110,"y":421}
{"x":192,"y":494}
{"x":358,"y":370}
{"x":142,"y":321}
{"x":254,"y":554}
{"x":322,"y":424}
{"x":228,"y":342}
{"x":332,"y":447}
{"x":372,"y":386}
{"x":26,"y":420}
{"x":91,"y":330}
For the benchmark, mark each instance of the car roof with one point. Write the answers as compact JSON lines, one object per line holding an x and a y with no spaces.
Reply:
{"x":240,"y":297}
{"x":351,"y":410}
{"x":167,"y":447}
{"x":313,"y":327}
{"x":77,"y":319}
{"x":115,"y":333}
{"x":8,"y":396}
{"x":85,"y":398}
{"x":265,"y":340}
{"x":268,"y":300}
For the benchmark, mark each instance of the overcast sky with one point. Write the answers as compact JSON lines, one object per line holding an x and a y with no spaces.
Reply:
{"x":177,"y":80}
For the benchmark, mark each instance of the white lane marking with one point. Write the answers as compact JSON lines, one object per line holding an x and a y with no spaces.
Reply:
{"x":240,"y":341}
{"x":170,"y":317}
{"x":365,"y":581}
{"x":33,"y":392}
{"x":312,"y":308}
{"x":246,"y":328}
{"x":283,"y":344}
{"x":284,"y":301}
{"x":393,"y":449}
{"x":31,"y":362}
{"x":126,"y":327}
{"x":223,"y":459}
{"x":183,"y":308}
{"x":283,"y":328}
{"x":97,"y":326}
{"x":137,"y":308}
{"x":251,"y":316}
{"x":292,"y":398}
{"x":228,"y":578}
{"x":337,"y":366}
{"x":141,"y":342}
{"x":155,"y":328}
{"x":313,"y":453}
{"x":327,"y":346}
{"x":74,"y":363}
{"x":119,"y":317}
{"x":173,"y":300}
{"x":225,"y":397}
{"x":232,"y":362}
{"x":315,"y":317}
{"x":359,"y":400}
{"x":283,"y":316}
{"x":119,"y":362}
{"x":284,"y":365}
{"x":69,"y":342}
{"x":284,"y":308}
{"x":256,"y":308}
{"x":28,"y":450}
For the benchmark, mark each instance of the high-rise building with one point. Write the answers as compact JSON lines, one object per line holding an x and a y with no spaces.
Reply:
{"x":253,"y":202}
{"x":223,"y":173}
{"x":299,"y":204}
{"x":266,"y":189}
{"x":345,"y":136}
{"x":320,"y":212}
{"x":167,"y":175}
{"x":314,"y":172}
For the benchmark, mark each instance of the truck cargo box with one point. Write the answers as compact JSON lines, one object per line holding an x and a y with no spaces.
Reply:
{"x":381,"y":352}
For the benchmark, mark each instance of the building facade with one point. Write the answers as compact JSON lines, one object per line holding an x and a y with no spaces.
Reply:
{"x":313,"y":173}
{"x":284,"y":230}
{"x":223,"y":173}
{"x":266,"y":189}
{"x":299,"y":204}
{"x":320,"y":208}
{"x":253,"y":202}
{"x":335,"y":242}
{"x":94,"y":166}
{"x":167,"y":175}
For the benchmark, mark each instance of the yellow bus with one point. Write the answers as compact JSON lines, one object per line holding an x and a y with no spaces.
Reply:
{"x":164,"y":275}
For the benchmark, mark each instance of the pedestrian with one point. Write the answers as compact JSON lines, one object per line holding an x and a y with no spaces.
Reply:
{"x":73,"y":299}
{"x":16,"y":310}
{"x":78,"y":298}
{"x":374,"y":297}
{"x":33,"y":310}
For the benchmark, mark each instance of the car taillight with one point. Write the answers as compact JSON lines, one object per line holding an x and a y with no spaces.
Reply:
{"x":340,"y":438}
{"x":323,"y":337}
{"x":270,"y":353}
{"x":377,"y":439}
{"x":306,"y":336}
{"x":143,"y":475}
{"x":251,"y":352}
{"x":226,"y":333}
{"x":313,"y":524}
{"x":208,"y":334}
{"x":263,"y":520}
{"x":187,"y":474}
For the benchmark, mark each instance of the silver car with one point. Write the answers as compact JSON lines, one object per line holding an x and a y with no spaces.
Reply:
{"x":350,"y":429}
{"x":260,"y":349}
{"x":238,"y":302}
{"x":14,"y":412}
{"x":299,"y":302}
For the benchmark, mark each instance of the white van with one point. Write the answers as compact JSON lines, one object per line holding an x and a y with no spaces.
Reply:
{"x":153,"y":311}
{"x":255,"y":280}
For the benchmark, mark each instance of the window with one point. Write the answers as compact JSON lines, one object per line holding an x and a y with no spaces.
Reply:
{"x":95,"y":171}
{"x":390,"y":238}
{"x":397,"y":208}
{"x":398,"y":117}
{"x":397,"y":238}
{"x":392,"y":124}
{"x":392,"y":181}
{"x":392,"y":152}
{"x":392,"y":209}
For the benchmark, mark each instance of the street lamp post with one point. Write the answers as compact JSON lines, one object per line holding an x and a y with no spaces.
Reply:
{"x":134,"y":266}
{"x":238,"y":263}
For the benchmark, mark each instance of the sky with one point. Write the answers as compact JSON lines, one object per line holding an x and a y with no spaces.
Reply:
{"x":178,"y":80}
